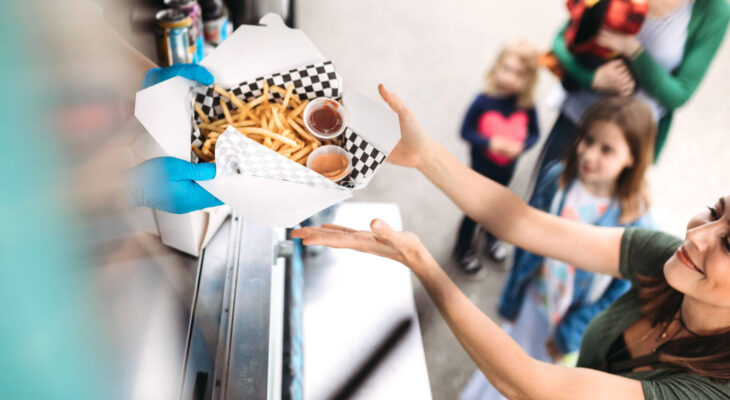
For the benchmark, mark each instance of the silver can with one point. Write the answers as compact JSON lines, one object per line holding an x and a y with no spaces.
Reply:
{"x":192,"y":8}
{"x":172,"y":35}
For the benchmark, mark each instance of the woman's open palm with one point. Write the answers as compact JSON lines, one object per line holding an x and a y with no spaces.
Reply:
{"x":404,"y":247}
{"x":408,"y":151}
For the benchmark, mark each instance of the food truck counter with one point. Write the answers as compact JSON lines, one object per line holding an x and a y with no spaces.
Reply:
{"x":270,"y":320}
{"x":236,"y":341}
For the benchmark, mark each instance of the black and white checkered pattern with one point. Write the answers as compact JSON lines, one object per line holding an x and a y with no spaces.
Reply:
{"x":316,"y":80}
{"x":365,"y":159}
{"x":238,"y":154}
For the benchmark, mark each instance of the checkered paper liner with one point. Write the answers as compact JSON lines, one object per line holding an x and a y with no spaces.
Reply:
{"x":237,"y":154}
{"x":365,"y":159}
{"x":243,"y":155}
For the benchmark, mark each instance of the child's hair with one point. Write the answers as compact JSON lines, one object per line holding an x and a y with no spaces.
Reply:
{"x":529,"y":57}
{"x":636,"y":122}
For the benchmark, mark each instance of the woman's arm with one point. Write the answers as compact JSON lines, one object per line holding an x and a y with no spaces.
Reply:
{"x":506,"y":216}
{"x":611,"y":77}
{"x":515,"y":374}
{"x":572,"y":67}
{"x":673,"y":88}
{"x":503,"y":362}
{"x":496,"y":208}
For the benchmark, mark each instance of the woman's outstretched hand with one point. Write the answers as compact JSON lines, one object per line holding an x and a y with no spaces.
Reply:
{"x":381,"y":240}
{"x":409,"y":150}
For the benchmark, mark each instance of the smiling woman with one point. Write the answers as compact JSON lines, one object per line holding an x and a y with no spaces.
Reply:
{"x":684,"y":305}
{"x":699,"y":267}
{"x":666,"y":338}
{"x":691,"y":296}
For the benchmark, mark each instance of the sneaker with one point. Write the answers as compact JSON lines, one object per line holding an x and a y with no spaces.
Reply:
{"x":470,"y":262}
{"x":498,"y":251}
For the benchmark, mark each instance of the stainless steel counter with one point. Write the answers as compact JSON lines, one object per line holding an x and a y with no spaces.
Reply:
{"x":235,"y":341}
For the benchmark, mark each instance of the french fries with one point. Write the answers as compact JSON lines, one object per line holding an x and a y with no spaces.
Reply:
{"x":278,"y":126}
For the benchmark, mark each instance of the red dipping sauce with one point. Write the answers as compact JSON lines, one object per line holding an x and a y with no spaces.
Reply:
{"x":325,"y":120}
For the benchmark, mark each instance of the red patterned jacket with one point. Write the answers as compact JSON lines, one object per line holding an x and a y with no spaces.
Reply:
{"x":587,"y":17}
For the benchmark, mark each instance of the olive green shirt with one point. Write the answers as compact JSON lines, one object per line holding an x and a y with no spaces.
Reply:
{"x":643,"y":252}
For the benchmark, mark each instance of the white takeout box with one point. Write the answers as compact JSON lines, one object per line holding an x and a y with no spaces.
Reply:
{"x":254,"y":51}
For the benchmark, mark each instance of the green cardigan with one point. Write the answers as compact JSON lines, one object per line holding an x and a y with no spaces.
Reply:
{"x":707,"y":27}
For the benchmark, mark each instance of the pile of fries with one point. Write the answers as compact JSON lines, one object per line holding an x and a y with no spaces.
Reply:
{"x":278,"y":126}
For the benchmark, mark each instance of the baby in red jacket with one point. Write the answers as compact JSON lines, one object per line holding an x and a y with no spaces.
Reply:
{"x":588,"y":17}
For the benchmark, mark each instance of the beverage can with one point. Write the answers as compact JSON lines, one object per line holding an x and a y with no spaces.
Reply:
{"x":172,"y":36}
{"x":193,"y":10}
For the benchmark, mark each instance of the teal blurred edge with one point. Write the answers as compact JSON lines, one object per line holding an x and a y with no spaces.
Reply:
{"x":50,"y":347}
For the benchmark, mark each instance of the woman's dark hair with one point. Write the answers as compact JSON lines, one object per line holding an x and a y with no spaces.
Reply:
{"x":707,"y":356}
{"x":636,"y":122}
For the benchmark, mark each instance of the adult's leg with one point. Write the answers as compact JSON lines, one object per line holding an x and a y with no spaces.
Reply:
{"x":559,"y":141}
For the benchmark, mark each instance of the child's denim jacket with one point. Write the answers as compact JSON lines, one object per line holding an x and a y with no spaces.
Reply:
{"x":569,"y":332}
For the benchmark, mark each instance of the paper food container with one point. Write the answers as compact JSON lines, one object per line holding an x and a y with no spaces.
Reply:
{"x":263,"y":186}
{"x":189,"y":232}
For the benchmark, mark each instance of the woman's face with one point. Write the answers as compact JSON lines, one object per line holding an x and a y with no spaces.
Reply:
{"x":510,"y":75}
{"x":700,"y":268}
{"x":603,"y":154}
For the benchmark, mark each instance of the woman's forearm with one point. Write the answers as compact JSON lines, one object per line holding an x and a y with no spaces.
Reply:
{"x":485,"y":201}
{"x":673,"y":89}
{"x":503,"y":362}
{"x":508,"y":218}
{"x":572,"y":67}
{"x":510,"y":370}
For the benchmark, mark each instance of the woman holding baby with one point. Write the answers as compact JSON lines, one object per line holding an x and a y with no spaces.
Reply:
{"x":662,"y":63}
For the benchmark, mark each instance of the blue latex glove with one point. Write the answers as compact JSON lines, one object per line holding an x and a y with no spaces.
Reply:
{"x":193,"y":72}
{"x":167,"y":184}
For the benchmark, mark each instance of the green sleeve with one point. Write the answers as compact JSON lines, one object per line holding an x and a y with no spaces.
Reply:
{"x":673,"y":90}
{"x":644,"y":252}
{"x":572,"y":67}
{"x":684,"y":386}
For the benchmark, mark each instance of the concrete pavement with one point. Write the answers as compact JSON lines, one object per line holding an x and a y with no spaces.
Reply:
{"x":434,"y":55}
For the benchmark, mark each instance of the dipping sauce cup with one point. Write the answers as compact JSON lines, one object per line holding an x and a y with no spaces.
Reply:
{"x":325,"y":118}
{"x":332,"y":162}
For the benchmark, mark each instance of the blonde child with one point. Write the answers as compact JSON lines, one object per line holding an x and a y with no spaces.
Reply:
{"x":600,"y":182}
{"x":501,"y":124}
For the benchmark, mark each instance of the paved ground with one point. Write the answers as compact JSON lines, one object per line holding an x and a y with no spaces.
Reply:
{"x":434,"y":54}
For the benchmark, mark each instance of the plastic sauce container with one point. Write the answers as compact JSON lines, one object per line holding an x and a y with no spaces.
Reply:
{"x":325,"y":118}
{"x":330,"y":161}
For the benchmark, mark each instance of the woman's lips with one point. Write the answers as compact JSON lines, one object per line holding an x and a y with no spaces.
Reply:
{"x":684,"y":258}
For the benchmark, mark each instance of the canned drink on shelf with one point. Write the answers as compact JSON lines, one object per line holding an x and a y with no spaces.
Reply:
{"x":216,"y":23}
{"x":172,"y":35}
{"x":193,"y":10}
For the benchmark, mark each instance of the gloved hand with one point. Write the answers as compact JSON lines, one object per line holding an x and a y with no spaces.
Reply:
{"x":167,"y":184}
{"x":193,"y":72}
